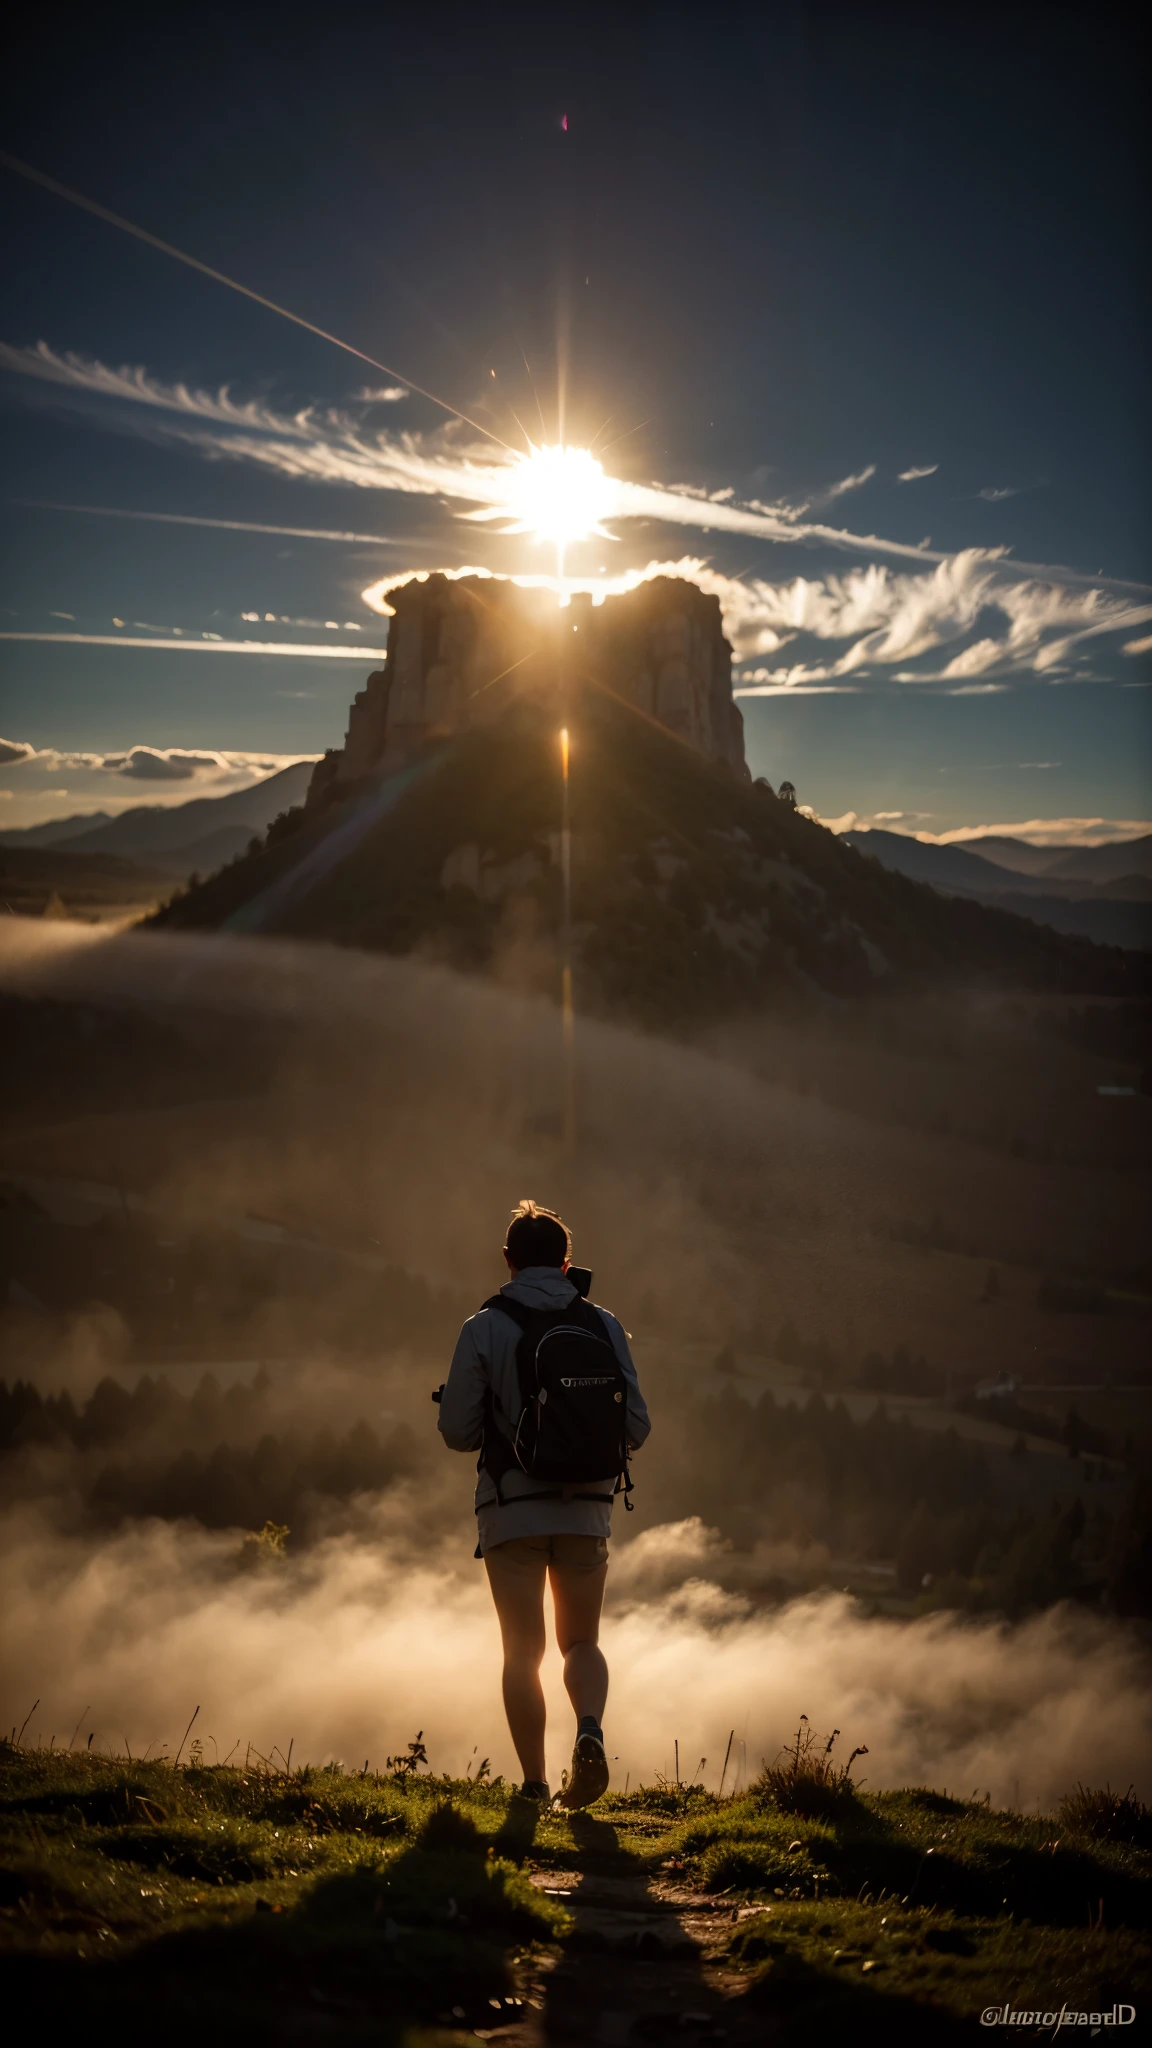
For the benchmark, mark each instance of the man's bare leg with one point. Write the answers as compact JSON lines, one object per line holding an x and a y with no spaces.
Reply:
{"x":578,"y":1596}
{"x":518,"y":1595}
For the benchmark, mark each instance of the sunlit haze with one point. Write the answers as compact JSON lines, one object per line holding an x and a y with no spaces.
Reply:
{"x":575,"y":846}
{"x":560,"y":495}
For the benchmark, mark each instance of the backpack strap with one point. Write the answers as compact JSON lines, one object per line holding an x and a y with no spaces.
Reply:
{"x":583,"y":1312}
{"x":515,"y":1309}
{"x":497,"y":1456}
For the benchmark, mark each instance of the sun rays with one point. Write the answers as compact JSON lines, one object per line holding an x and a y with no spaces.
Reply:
{"x":559,"y":495}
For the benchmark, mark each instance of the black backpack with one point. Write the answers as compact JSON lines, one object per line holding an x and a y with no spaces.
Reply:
{"x":573,"y":1420}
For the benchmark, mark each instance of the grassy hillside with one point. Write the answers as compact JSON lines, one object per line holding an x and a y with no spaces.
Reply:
{"x":693,"y":893}
{"x":263,"y":1902}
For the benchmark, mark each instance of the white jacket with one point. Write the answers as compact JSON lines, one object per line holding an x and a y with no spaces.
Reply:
{"x":485,"y":1357}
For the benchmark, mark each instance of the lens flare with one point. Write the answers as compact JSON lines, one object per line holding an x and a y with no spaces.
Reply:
{"x":559,"y":495}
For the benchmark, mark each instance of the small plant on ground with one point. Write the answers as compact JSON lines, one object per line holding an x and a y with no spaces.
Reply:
{"x":402,"y":1767}
{"x":1108,"y":1816}
{"x":806,"y":1778}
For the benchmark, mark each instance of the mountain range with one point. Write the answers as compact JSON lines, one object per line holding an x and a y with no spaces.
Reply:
{"x":1102,"y":892}
{"x":694,"y":892}
{"x":1097,"y":864}
{"x":1099,"y":892}
{"x":179,"y":838}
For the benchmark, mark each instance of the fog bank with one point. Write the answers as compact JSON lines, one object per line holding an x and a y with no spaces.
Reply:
{"x":347,"y":1651}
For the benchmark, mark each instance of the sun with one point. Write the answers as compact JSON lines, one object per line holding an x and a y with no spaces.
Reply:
{"x":560,"y":495}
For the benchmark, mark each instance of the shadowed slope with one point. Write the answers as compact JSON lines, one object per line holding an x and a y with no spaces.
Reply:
{"x":693,"y":893}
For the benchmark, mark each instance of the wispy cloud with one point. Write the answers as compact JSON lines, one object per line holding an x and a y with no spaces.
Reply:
{"x":871,"y":821}
{"x":379,"y":540}
{"x":846,"y":484}
{"x":145,"y":763}
{"x":990,"y":616}
{"x":328,"y":446}
{"x":800,"y":685}
{"x":133,"y":383}
{"x":883,"y":619}
{"x":318,"y":650}
{"x":911,"y":476}
{"x":1049,"y":831}
{"x":388,"y":394}
{"x":995,"y":492}
{"x":888,"y":618}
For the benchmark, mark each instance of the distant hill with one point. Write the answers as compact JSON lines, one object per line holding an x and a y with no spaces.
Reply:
{"x":179,"y":832}
{"x":1119,"y":915}
{"x":1097,"y":864}
{"x":946,"y":867}
{"x":693,"y":892}
{"x":55,"y":831}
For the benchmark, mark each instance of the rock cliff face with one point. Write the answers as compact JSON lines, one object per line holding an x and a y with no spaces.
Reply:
{"x":460,"y":652}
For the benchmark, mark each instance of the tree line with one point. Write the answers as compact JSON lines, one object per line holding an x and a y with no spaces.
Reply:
{"x":959,"y":1533}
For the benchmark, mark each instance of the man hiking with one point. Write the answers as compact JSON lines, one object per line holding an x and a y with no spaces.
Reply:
{"x":543,"y":1386}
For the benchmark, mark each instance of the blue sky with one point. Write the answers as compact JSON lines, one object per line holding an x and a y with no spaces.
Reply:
{"x":849,"y":302}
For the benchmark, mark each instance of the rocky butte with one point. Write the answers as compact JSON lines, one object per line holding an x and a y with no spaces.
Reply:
{"x":463,"y":651}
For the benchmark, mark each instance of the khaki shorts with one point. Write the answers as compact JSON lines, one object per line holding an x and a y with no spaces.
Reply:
{"x":537,"y":1553}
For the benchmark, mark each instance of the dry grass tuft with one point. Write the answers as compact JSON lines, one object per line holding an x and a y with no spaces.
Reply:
{"x":1107,"y":1816}
{"x":806,"y":1779}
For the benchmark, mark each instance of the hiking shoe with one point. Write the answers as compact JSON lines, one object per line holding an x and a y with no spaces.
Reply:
{"x":589,"y":1771}
{"x":535,"y":1788}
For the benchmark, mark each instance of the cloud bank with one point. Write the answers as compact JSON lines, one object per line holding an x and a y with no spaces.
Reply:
{"x":144,"y":763}
{"x":1035,"y":831}
{"x":352,"y":1647}
{"x":385,"y":1625}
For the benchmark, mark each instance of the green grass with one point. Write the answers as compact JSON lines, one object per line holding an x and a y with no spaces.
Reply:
{"x":270,"y":1906}
{"x":238,"y":1899}
{"x":914,"y":1896}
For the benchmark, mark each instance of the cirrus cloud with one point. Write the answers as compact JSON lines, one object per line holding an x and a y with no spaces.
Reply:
{"x":329,"y":446}
{"x":974,"y":617}
{"x":846,"y":484}
{"x":882,"y":618}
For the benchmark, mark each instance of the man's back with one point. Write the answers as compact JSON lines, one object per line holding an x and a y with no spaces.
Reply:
{"x":485,"y":1363}
{"x":533,"y":1530}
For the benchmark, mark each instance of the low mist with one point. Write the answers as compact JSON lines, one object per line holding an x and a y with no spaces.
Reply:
{"x":347,"y":1653}
{"x":400,"y":1111}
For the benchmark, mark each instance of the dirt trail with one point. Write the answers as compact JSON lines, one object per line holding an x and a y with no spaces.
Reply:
{"x":643,"y":1965}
